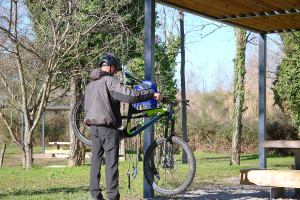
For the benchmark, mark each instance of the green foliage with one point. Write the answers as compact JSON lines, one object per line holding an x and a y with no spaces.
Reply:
{"x":238,"y":94}
{"x":287,"y":83}
{"x":118,"y":27}
{"x":165,"y":56}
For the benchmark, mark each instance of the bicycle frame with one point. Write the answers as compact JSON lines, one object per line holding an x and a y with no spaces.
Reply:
{"x":164,"y":112}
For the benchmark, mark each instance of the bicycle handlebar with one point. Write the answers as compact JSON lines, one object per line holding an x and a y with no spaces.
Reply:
{"x":134,"y":81}
{"x":174,"y":103}
{"x":131,"y":77}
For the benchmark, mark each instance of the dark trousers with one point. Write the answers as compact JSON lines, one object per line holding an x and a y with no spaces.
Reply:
{"x":105,"y":140}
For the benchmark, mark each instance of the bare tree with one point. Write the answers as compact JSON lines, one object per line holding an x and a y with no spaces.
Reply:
{"x":39,"y":45}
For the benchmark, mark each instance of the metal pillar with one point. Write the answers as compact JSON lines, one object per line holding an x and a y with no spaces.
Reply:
{"x":262,"y":98}
{"x":43,"y":132}
{"x":183,"y":95}
{"x":149,"y":75}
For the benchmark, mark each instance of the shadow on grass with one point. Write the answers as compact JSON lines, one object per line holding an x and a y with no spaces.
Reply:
{"x":65,"y":190}
{"x":249,"y":157}
{"x":214,"y":158}
{"x":243,"y":157}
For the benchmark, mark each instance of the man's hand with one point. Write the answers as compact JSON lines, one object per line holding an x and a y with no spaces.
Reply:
{"x":158,"y":96}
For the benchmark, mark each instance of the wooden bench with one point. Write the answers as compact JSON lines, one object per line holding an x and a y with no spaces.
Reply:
{"x":276,"y":179}
{"x":271,"y":177}
{"x":59,"y":143}
{"x":63,"y":152}
{"x":293,"y":145}
{"x":59,"y":149}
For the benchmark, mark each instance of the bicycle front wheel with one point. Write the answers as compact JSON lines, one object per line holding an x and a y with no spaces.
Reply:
{"x":165,"y":169}
{"x":80,"y":129}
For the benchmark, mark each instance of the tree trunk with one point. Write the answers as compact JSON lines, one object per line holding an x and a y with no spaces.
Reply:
{"x":27,"y":147}
{"x":239,"y":92}
{"x":28,"y":155}
{"x":77,"y":149}
{"x":2,"y":154}
{"x":23,"y":157}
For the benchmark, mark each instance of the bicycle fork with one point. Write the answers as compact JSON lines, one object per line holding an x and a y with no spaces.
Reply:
{"x":167,"y":160}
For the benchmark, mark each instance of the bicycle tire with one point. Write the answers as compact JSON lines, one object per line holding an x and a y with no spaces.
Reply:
{"x":175,"y":186}
{"x":80,"y":130}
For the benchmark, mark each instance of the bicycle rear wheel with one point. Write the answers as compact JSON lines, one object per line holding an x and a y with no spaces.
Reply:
{"x":78,"y":114}
{"x":173,"y":175}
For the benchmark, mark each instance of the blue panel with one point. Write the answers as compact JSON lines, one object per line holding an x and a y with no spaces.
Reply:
{"x":151,"y":102}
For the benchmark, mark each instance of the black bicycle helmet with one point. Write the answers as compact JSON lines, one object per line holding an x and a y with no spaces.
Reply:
{"x":110,"y":60}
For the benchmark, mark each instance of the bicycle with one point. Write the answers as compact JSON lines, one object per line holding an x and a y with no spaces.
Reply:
{"x":165,"y":169}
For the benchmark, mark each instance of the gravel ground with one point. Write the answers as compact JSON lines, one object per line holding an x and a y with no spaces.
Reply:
{"x":234,"y":191}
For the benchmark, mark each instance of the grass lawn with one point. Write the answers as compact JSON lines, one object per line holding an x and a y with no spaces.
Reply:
{"x":43,"y":182}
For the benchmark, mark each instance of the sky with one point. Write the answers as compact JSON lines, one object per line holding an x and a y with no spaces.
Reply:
{"x":210,"y":52}
{"x":208,"y":56}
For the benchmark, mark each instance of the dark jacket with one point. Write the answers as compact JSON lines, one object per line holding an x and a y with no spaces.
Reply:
{"x":103,"y":95}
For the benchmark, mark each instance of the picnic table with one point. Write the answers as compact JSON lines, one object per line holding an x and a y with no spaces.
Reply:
{"x":277,"y":179}
{"x":59,"y":149}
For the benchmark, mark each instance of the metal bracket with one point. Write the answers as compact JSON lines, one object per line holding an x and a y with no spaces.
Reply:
{"x":276,"y":192}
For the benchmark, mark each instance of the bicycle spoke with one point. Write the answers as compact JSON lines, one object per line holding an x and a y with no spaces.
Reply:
{"x":174,"y":176}
{"x":178,"y":179}
{"x":174,"y":173}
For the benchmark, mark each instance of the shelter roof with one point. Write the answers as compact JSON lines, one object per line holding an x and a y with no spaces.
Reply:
{"x":261,"y":16}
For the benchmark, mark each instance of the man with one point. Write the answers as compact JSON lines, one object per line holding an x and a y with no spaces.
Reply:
{"x":102,"y":108}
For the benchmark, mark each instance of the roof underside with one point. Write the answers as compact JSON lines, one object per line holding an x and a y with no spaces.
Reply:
{"x":262,"y":16}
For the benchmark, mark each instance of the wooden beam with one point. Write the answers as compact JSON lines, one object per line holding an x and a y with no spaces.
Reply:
{"x":270,"y":177}
{"x":260,"y":15}
{"x":267,"y":16}
{"x":290,"y":3}
{"x":205,"y":14}
{"x":271,"y":4}
{"x":289,"y":144}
